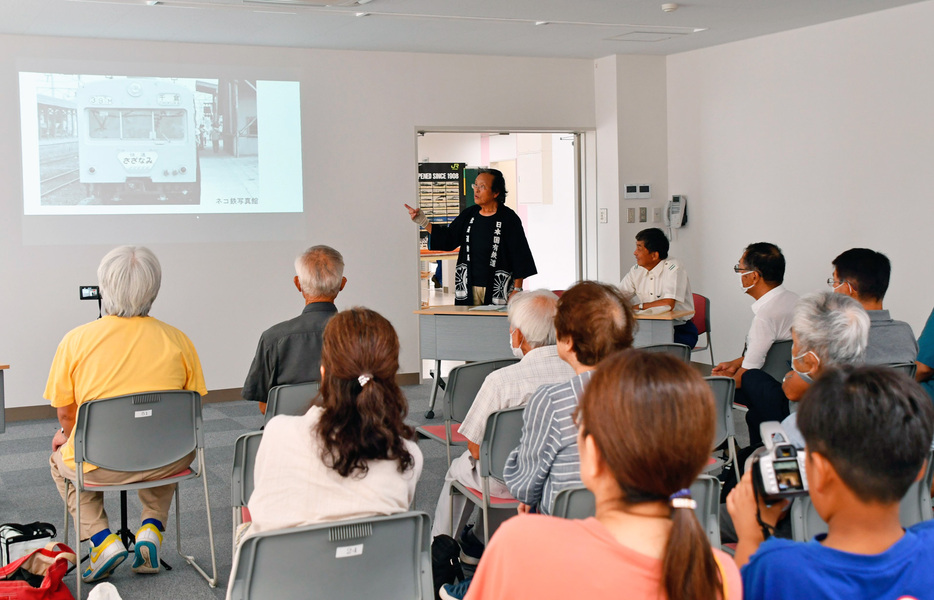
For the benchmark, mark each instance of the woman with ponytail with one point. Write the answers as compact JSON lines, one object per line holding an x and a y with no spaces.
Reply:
{"x":646,"y":427}
{"x":351,"y":455}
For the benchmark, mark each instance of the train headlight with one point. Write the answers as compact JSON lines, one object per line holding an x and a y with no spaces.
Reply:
{"x":183,"y":170}
{"x":92,"y":170}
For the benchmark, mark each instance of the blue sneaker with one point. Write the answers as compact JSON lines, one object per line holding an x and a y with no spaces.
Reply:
{"x":454,"y":591}
{"x":148,"y":543}
{"x":104,"y":559}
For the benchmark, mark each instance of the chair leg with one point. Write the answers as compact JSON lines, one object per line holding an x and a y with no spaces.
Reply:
{"x":77,"y":548}
{"x":212,"y":580}
{"x":67,"y":516}
{"x":731,"y":445}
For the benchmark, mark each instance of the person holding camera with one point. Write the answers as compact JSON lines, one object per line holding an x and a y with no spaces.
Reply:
{"x":868,"y":432}
{"x":645,"y":540}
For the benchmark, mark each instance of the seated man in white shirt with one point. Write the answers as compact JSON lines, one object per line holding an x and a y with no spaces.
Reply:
{"x":658,"y":283}
{"x":761,"y":270}
{"x":532,"y":336}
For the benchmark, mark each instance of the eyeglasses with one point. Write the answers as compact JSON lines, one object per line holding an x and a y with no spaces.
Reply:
{"x":737,"y":268}
{"x":479,"y":186}
{"x":833,"y":283}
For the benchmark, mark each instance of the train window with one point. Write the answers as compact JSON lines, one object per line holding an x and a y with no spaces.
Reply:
{"x":103,"y":124}
{"x":170,"y":124}
{"x":137,"y":124}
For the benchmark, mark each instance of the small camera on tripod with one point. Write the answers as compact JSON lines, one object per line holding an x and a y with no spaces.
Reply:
{"x":89,"y":292}
{"x":778,"y":468}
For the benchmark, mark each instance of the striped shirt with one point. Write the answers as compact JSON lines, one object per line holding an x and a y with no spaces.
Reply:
{"x":547,"y":460}
{"x":511,"y":386}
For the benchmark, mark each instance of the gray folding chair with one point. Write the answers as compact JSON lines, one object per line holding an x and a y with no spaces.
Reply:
{"x":724,"y":389}
{"x":464,"y":382}
{"x":373,"y":557}
{"x":778,"y":360}
{"x":706,"y":492}
{"x":241,"y":478}
{"x":574,"y":503}
{"x":579,"y":503}
{"x":701,"y":320}
{"x":679,"y":351}
{"x":502,"y":434}
{"x":914,"y":508}
{"x":909,"y":368}
{"x":292,"y":399}
{"x":139,"y":432}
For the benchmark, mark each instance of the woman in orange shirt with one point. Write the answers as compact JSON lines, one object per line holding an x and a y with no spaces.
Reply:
{"x":646,"y":427}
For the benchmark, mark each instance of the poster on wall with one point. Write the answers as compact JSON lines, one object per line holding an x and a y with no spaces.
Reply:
{"x":441,"y":191}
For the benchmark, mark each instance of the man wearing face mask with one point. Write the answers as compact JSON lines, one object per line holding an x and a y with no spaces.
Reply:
{"x":761,"y":271}
{"x":532,"y":338}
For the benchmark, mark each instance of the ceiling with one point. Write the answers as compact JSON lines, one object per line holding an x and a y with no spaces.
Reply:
{"x":544,"y":28}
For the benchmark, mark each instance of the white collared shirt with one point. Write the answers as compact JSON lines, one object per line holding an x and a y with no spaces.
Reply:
{"x":667,"y":280}
{"x":772,"y":323}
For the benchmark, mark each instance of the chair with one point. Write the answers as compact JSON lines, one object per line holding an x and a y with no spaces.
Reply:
{"x":914,"y":508}
{"x":139,"y":432}
{"x":241,"y":478}
{"x":574,"y":503}
{"x":701,"y":320}
{"x":679,"y":351}
{"x":464,"y":382}
{"x":908,"y":368}
{"x":292,"y":399}
{"x":778,"y":360}
{"x":724,"y":389}
{"x":373,"y":557}
{"x":579,"y":503}
{"x":502,"y":434}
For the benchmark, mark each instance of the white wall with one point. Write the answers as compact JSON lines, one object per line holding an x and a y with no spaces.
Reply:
{"x":360,"y":114}
{"x":818,"y":140}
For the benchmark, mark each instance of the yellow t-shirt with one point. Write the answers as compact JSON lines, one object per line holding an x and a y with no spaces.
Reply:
{"x":114,"y":356}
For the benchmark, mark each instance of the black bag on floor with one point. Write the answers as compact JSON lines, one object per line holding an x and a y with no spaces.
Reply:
{"x":445,"y":562}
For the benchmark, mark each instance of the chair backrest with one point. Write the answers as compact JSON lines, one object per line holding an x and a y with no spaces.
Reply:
{"x":292,"y":399}
{"x":138,"y":432}
{"x":706,"y":492}
{"x":680,"y":351}
{"x":574,"y":503}
{"x":908,"y":368}
{"x":374,"y":557}
{"x":464,"y":382}
{"x":502,"y":435}
{"x":579,"y":503}
{"x":778,"y":359}
{"x":914,"y":508}
{"x":724,"y":388}
{"x":701,"y":318}
{"x":241,"y":477}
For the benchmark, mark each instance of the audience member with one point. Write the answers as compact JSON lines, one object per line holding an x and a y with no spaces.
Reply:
{"x":657,"y":283}
{"x":645,"y":541}
{"x":351,"y":457}
{"x":124,"y":352}
{"x":290,"y":352}
{"x":593,"y":321}
{"x":863,"y":274}
{"x":868,"y":430}
{"x":532,"y":327}
{"x":925,"y":362}
{"x":761,"y":269}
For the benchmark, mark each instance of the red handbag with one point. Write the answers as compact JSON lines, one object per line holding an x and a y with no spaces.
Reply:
{"x":38,"y":575}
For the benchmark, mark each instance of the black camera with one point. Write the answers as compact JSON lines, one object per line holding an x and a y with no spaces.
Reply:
{"x":89,"y":292}
{"x":778,"y":468}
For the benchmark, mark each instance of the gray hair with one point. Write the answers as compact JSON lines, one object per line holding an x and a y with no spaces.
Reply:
{"x":833,"y":326}
{"x":129,"y":277}
{"x":533,"y":313}
{"x":320,"y":270}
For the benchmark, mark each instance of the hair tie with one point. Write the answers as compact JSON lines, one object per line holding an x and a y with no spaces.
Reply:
{"x":363,"y":379}
{"x":682,"y":499}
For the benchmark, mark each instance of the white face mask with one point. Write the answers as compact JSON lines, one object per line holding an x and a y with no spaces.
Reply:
{"x":517,"y":352}
{"x":748,"y":287}
{"x":805,"y":376}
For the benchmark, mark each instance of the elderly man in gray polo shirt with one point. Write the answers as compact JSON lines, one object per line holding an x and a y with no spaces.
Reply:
{"x":290,"y":352}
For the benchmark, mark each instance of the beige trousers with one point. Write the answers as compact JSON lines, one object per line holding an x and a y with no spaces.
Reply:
{"x":156,"y":500}
{"x":479,"y":295}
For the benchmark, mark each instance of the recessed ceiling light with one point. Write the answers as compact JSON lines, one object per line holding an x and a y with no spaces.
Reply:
{"x":542,"y":23}
{"x":670,"y":7}
{"x":362,"y":14}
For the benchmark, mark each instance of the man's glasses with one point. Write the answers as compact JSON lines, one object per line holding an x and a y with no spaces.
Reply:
{"x":833,"y":283}
{"x":738,"y":268}
{"x":479,"y":186}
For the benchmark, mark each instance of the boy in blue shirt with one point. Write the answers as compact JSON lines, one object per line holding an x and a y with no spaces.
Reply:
{"x":868,"y":432}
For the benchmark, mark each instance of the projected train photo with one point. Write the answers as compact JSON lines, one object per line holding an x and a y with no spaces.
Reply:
{"x":138,"y":137}
{"x":155,"y":141}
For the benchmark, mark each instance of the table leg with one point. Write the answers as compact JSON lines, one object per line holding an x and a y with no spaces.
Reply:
{"x":434,"y":390}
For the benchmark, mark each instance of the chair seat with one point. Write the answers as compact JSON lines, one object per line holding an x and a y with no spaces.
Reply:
{"x":713,"y":464}
{"x":494,"y":500}
{"x":245,"y":516}
{"x":438,"y":432}
{"x":143,"y":484}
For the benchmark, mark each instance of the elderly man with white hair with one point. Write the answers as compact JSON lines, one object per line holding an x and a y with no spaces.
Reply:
{"x":290,"y":352}
{"x":124,"y":352}
{"x":531,"y":336}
